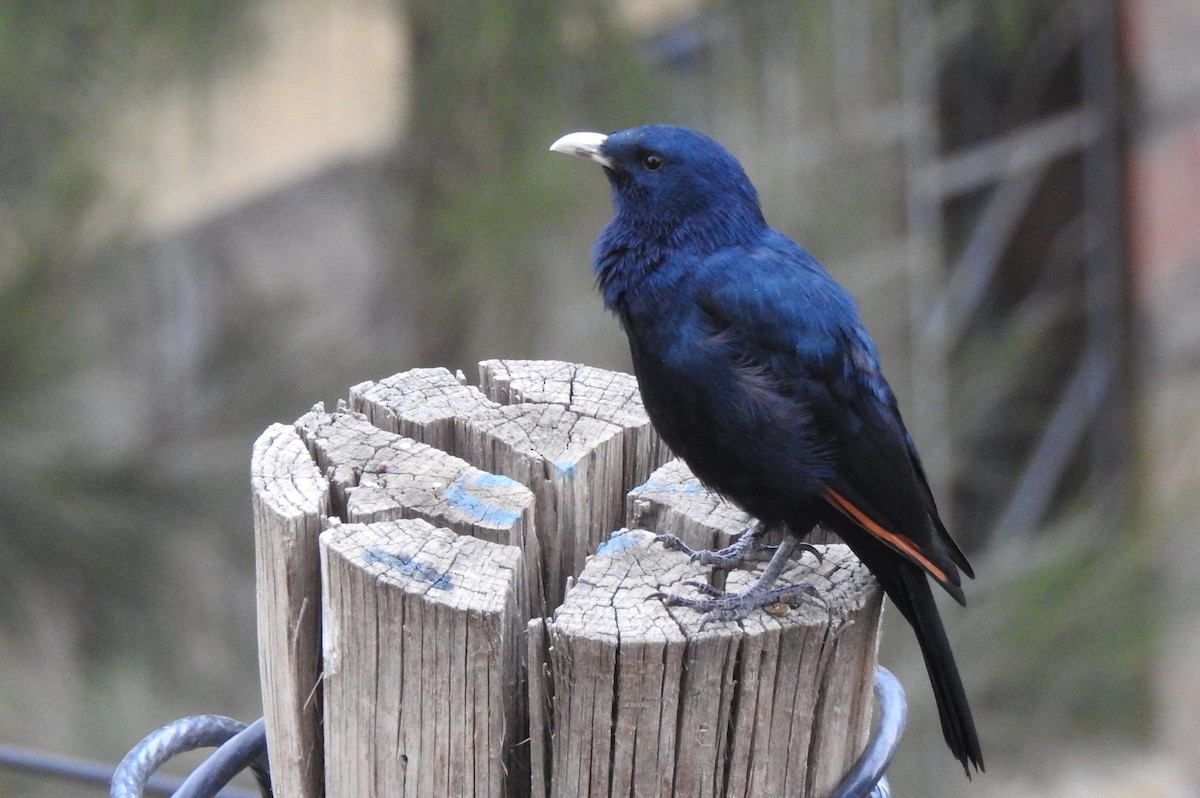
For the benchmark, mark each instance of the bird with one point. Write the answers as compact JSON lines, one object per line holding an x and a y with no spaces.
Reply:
{"x":756,"y":369}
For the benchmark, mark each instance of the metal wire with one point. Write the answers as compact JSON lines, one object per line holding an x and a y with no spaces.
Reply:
{"x":866,"y":779}
{"x":247,"y":746}
{"x":242,"y":746}
{"x":80,"y":771}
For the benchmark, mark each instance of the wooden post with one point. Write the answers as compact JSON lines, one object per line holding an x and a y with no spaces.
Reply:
{"x":423,"y":647}
{"x":291,"y":501}
{"x":458,"y":519}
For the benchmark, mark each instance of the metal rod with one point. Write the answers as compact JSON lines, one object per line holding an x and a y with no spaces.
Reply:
{"x":866,"y":779}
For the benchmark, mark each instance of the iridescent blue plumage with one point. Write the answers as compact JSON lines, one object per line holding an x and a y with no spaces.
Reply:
{"x":756,"y":369}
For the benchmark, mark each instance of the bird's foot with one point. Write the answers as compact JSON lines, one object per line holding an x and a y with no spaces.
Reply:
{"x":720,"y":605}
{"x":729,"y":557}
{"x":748,"y":548}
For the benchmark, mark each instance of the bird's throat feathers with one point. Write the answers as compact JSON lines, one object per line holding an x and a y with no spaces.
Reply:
{"x":624,"y":264}
{"x":629,"y":255}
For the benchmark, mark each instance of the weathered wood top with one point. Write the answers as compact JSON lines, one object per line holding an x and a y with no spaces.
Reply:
{"x":423,"y":643}
{"x":291,"y":501}
{"x":482,"y":629}
{"x":681,"y":703}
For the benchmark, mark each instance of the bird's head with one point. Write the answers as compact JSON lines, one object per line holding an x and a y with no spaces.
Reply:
{"x":673,"y":185}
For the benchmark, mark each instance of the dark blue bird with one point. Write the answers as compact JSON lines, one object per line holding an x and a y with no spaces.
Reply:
{"x":756,"y":370}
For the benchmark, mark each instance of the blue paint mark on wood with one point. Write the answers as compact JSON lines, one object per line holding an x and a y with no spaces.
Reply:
{"x":617,"y":541}
{"x":460,"y":497}
{"x":409,"y":567}
{"x":494,"y":481}
{"x":565,"y":467}
{"x":653,"y":486}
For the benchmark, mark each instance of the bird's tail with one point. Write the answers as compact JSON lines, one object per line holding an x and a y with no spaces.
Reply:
{"x":911,"y":594}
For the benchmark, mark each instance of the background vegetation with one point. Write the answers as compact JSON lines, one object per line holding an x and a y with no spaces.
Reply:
{"x":139,"y":359}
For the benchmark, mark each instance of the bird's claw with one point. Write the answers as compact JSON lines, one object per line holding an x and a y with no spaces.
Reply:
{"x":720,"y":605}
{"x":728,"y":557}
{"x":673,"y":543}
{"x":748,"y":548}
{"x":811,"y":549}
{"x":709,"y":590}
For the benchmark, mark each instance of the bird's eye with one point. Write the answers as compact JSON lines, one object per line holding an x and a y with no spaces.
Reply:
{"x":652,"y":161}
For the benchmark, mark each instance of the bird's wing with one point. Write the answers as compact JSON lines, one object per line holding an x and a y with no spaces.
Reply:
{"x":783,"y":315}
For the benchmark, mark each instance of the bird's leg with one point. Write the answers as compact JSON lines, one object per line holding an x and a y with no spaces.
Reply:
{"x":722,"y":606}
{"x":748,"y":548}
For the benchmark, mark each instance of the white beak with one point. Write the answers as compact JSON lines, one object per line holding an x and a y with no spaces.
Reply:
{"x":584,"y":145}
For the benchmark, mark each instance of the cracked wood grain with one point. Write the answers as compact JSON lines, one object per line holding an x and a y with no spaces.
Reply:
{"x":418,"y":699}
{"x":649,"y":702}
{"x":575,"y":436}
{"x":290,"y":500}
{"x":480,"y":633}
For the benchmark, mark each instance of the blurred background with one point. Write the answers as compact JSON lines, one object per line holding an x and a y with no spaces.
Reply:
{"x":214,"y":214}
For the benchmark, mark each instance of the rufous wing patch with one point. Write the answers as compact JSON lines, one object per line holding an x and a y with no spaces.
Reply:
{"x":892,"y":539}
